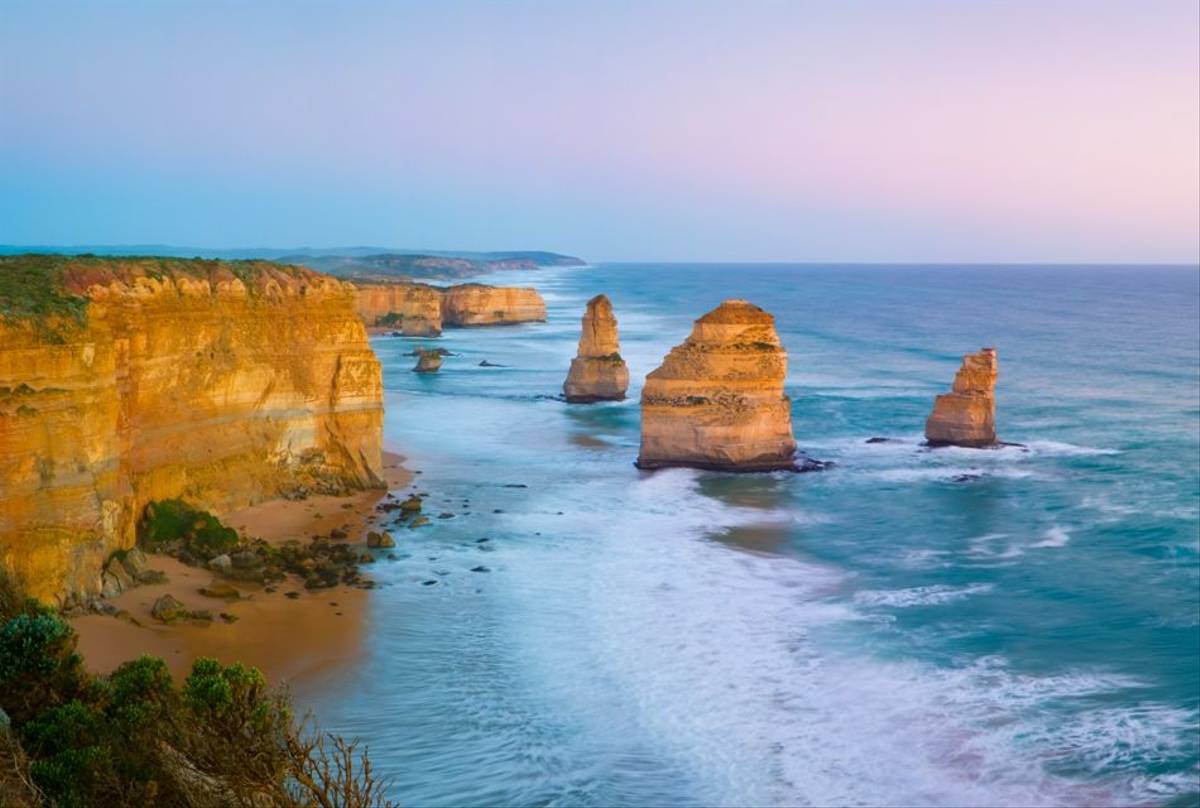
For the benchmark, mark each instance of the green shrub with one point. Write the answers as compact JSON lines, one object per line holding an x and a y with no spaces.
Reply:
{"x":72,"y":755}
{"x":39,"y":667}
{"x":170,"y":520}
{"x":136,"y":739}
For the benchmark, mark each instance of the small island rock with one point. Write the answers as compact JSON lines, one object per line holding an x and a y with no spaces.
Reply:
{"x":428,"y":362}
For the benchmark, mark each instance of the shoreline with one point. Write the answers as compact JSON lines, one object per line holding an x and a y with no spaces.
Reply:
{"x":292,"y":640}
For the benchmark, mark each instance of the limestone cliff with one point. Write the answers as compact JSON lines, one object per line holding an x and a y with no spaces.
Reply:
{"x":124,"y":381}
{"x":966,"y":416}
{"x":413,"y":309}
{"x":420,"y":310}
{"x":598,"y":373}
{"x":717,"y":400}
{"x":471,"y":304}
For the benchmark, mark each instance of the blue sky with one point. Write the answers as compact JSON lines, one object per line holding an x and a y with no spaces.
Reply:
{"x":797,"y":131}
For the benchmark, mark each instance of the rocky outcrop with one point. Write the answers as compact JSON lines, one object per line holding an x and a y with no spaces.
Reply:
{"x":413,"y":309}
{"x":966,"y":416}
{"x":598,"y":373}
{"x":420,"y":310}
{"x":428,"y":362}
{"x":134,"y":380}
{"x":717,"y":400}
{"x":472,"y":304}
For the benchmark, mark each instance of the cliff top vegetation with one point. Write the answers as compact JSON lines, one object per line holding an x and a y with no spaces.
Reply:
{"x":51,"y":287}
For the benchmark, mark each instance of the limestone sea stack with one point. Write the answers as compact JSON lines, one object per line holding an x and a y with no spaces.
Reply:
{"x":472,"y":304}
{"x":966,"y":416}
{"x":717,"y":400}
{"x":598,"y":373}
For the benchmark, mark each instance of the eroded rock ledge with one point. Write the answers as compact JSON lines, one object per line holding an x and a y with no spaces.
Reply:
{"x":141,"y":379}
{"x":598,"y":373}
{"x":966,"y":416}
{"x":717,"y":400}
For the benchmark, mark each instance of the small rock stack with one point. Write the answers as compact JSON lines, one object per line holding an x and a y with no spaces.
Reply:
{"x":598,"y":373}
{"x":966,"y":416}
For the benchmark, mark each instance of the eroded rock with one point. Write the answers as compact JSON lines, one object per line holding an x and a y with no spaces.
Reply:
{"x":717,"y":400}
{"x":966,"y":416}
{"x":598,"y":373}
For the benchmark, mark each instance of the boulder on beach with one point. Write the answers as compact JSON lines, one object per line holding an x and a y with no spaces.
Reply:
{"x":717,"y":400}
{"x":598,"y":373}
{"x":966,"y":416}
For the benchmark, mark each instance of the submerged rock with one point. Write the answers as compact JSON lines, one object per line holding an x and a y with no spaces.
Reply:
{"x":966,"y":416}
{"x":717,"y":400}
{"x":598,"y":373}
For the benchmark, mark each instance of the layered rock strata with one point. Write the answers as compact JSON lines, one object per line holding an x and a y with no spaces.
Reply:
{"x":420,"y":310}
{"x":224,"y":383}
{"x":717,"y":400}
{"x":474,"y":304}
{"x":598,"y":373}
{"x":413,"y":309}
{"x":966,"y":416}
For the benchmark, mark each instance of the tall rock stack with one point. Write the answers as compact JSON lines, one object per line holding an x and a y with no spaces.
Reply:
{"x":598,"y":373}
{"x":966,"y":416}
{"x":717,"y":400}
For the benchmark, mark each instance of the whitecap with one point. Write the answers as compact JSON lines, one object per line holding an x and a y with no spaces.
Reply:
{"x":934,"y":595}
{"x":1056,"y":536}
{"x":1054,"y":448}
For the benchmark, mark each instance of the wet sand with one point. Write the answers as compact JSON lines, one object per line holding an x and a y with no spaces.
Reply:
{"x":289,"y":640}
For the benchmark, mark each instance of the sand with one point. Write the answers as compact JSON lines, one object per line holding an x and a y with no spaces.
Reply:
{"x":290,"y":640}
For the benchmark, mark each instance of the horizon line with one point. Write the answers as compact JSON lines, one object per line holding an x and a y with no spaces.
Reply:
{"x":80,"y":249}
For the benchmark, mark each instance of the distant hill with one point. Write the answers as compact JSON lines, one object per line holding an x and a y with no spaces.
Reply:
{"x":364,"y":263}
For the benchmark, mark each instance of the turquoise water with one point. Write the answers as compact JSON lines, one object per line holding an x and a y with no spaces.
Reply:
{"x":877,"y":634}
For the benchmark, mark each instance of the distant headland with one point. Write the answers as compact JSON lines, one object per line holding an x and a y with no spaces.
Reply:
{"x":359,"y":263}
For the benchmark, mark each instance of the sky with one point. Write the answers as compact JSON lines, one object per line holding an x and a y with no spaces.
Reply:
{"x":889,"y":131}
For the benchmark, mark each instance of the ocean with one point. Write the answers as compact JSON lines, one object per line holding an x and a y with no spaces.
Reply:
{"x":911,"y":627}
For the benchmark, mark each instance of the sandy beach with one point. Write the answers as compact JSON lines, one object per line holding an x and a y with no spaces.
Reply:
{"x":290,"y":639}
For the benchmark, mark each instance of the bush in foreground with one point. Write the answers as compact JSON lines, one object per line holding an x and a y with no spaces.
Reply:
{"x":134,"y":738}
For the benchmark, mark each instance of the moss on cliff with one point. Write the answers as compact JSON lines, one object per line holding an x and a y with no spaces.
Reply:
{"x":202,"y":534}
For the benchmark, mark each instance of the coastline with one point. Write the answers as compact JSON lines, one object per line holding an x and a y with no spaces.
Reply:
{"x":291,"y":640}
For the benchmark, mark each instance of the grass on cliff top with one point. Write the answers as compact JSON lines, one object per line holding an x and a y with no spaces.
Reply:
{"x":33,"y":286}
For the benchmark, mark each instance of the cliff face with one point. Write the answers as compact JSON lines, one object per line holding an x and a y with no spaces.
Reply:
{"x":413,"y":309}
{"x":966,"y":416}
{"x":471,"y":304}
{"x":598,"y":373}
{"x":222,"y":383}
{"x":717,"y":399}
{"x":418,"y":310}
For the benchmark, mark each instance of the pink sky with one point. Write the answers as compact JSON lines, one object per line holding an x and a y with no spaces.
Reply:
{"x":908,"y":131}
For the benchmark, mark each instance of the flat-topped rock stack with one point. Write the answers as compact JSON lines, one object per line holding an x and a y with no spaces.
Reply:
{"x":473,"y":304}
{"x":598,"y":373}
{"x":421,"y":310}
{"x":966,"y":416}
{"x":717,"y":400}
